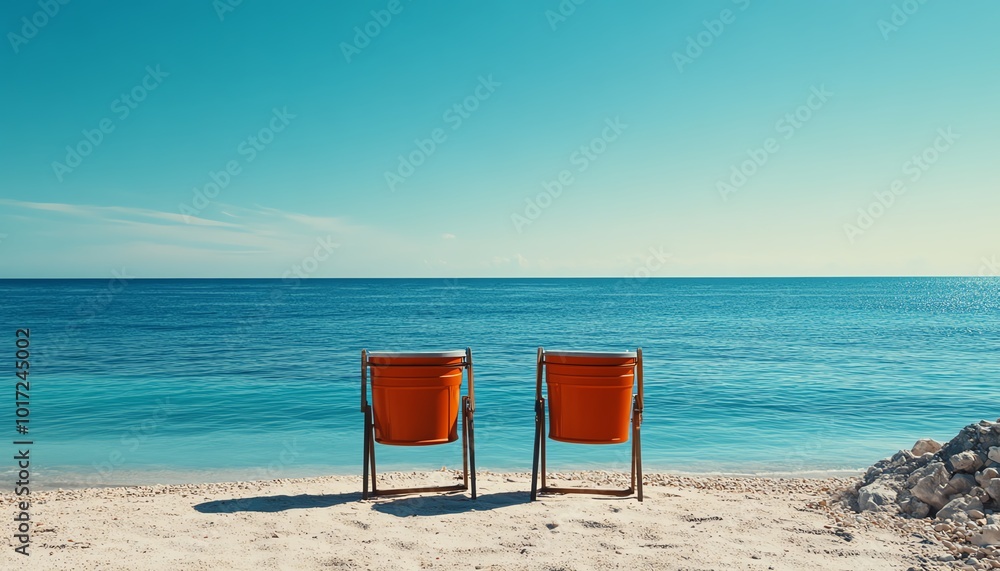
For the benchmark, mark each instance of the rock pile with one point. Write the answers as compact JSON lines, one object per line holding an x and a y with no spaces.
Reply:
{"x":957,"y":483}
{"x":959,"y":480}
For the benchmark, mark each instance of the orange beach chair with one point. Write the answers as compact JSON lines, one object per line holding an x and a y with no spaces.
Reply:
{"x":590,"y":401}
{"x":415,"y":402}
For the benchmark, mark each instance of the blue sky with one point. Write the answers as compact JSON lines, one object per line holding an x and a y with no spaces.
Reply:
{"x":710,"y":138}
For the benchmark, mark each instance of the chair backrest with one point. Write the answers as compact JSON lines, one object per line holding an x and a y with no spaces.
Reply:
{"x":415,"y":396}
{"x":590,"y":394}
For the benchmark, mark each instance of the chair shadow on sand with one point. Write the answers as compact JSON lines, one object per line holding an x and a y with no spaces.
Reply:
{"x":399,"y":507}
{"x":270,"y":504}
{"x":449,"y":504}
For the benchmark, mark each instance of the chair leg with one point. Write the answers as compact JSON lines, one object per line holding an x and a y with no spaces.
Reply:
{"x":465,"y":442}
{"x":541,"y":440}
{"x":637,"y":448}
{"x":634,"y":419}
{"x":534,"y":462}
{"x":472,"y":451}
{"x":631,"y":484}
{"x":367,"y":443}
{"x":371,"y":458}
{"x":638,"y":462}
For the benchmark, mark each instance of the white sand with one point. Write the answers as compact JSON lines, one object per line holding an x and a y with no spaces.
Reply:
{"x":319,"y":523}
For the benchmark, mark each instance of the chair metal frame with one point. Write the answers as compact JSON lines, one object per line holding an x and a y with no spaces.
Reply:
{"x":540,"y":436}
{"x":467,"y":408}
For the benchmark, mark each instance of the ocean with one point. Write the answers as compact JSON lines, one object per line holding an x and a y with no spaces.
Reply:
{"x":167,"y":381}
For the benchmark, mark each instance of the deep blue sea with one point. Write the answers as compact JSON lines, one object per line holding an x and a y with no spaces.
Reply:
{"x":147,"y":381}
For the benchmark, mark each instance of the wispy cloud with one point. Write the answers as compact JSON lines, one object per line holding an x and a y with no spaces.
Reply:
{"x":264,"y":237}
{"x":110,"y":213}
{"x":259,"y":220}
{"x":319,"y":223}
{"x":509,"y":261}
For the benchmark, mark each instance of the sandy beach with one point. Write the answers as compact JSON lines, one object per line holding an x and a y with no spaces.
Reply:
{"x":685,"y":523}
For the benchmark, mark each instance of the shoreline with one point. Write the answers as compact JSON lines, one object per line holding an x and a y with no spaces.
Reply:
{"x":43,"y":481}
{"x":685,"y":522}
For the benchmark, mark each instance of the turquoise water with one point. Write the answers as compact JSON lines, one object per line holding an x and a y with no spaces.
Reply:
{"x":198,"y":380}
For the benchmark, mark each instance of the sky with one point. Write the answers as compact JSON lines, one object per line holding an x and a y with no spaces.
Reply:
{"x":408,"y":138}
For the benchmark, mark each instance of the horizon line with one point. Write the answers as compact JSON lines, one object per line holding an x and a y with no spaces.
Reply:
{"x":641,"y":278}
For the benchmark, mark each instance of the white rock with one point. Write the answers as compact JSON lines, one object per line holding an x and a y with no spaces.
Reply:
{"x":993,"y":488}
{"x":925,"y":445}
{"x":917,"y":508}
{"x":876,"y":497}
{"x":995,"y":453}
{"x":980,"y":493}
{"x":960,"y":484}
{"x":987,"y":475}
{"x":928,"y":489}
{"x":959,"y":507}
{"x":967,"y":461}
{"x":989,"y":535}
